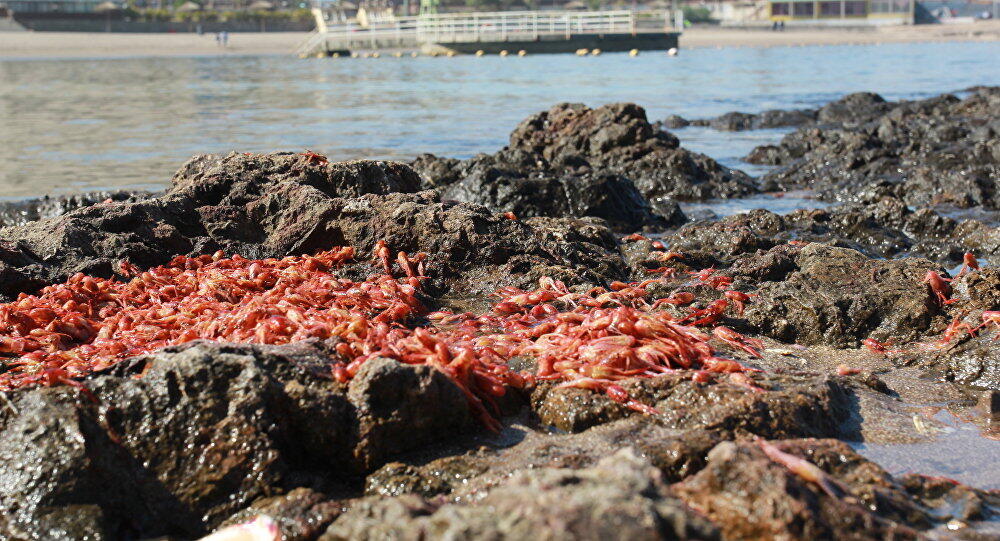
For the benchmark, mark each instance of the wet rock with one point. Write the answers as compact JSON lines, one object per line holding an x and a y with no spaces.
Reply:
{"x":726,"y":239}
{"x":783,"y":118}
{"x":573,"y":143}
{"x":978,"y":290}
{"x":262,"y":206}
{"x":838,"y":297}
{"x":243,"y":176}
{"x":206,"y":431}
{"x":676,"y":453}
{"x":794,"y":405}
{"x":608,"y":196}
{"x":937,"y":151}
{"x":770,"y":119}
{"x":856,"y":108}
{"x":674,"y":122}
{"x":387,"y":394}
{"x":949,"y":501}
{"x":302,"y":515}
{"x":749,"y":495}
{"x":29,"y":210}
{"x":622,"y":496}
{"x":968,"y":360}
{"x":441,"y":477}
{"x":885,"y":228}
{"x":734,"y":121}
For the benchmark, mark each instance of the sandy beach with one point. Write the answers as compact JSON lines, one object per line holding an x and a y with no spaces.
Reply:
{"x":98,"y":45}
{"x":724,"y":37}
{"x":90,"y":45}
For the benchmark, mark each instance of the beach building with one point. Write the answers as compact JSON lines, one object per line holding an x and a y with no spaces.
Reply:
{"x":841,"y":12}
{"x":52,"y":6}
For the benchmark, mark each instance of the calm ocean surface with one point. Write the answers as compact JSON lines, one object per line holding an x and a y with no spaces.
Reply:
{"x":74,"y":125}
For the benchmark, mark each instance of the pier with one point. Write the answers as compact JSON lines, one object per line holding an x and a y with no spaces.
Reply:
{"x":532,"y":32}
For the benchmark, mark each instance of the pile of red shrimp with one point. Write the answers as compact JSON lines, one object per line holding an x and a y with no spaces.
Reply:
{"x":589,"y":339}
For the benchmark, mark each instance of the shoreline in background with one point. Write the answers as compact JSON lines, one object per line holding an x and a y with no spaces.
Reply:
{"x":46,"y":45}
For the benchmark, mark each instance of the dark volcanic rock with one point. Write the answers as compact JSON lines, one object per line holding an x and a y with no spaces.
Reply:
{"x":838,"y":297}
{"x":29,"y":210}
{"x":852,"y":109}
{"x":969,"y":361}
{"x":621,"y":497}
{"x":608,"y":196}
{"x":884,"y":229}
{"x":674,"y":122}
{"x":276,"y":205}
{"x":794,"y":405}
{"x":856,"y":108}
{"x":302,"y":515}
{"x":774,"y":118}
{"x":937,"y":151}
{"x":609,"y":148}
{"x":750,"y":496}
{"x":207,"y":430}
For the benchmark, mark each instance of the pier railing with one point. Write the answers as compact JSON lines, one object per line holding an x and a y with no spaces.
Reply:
{"x":504,"y":26}
{"x":520,"y":25}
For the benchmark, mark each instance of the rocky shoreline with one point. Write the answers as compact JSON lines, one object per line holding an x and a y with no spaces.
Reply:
{"x":833,"y":331}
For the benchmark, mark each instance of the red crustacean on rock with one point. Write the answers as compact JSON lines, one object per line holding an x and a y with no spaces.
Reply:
{"x":314,"y":159}
{"x":969,"y":264}
{"x":876,"y":347}
{"x":804,"y":469}
{"x":990,"y":317}
{"x":739,"y":300}
{"x":708,"y":315}
{"x":737,"y":340}
{"x":955,"y":329}
{"x":939,"y":287}
{"x":591,"y":339}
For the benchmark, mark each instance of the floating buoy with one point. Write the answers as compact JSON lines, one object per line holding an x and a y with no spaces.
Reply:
{"x":672,"y":51}
{"x":634,"y":52}
{"x":320,"y":55}
{"x":335,"y":55}
{"x":595,"y":52}
{"x":354,"y":55}
{"x":480,"y":52}
{"x":375,"y":55}
{"x":450,"y":53}
{"x":582,"y":52}
{"x":503,"y":53}
{"x":397,"y":54}
{"x":522,"y":52}
{"x":414,"y":54}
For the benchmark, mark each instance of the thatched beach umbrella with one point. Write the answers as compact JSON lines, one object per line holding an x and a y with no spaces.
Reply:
{"x":189,"y":6}
{"x":261,"y":4}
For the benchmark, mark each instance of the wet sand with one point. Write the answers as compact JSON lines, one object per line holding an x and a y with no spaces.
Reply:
{"x":96,"y":45}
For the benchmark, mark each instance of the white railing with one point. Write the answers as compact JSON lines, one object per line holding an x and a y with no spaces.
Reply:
{"x":472,"y":27}
{"x":518,"y":25}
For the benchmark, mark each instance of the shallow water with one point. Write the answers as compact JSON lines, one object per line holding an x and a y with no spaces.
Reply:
{"x":73,"y":125}
{"x":978,"y":446}
{"x":782,"y":203}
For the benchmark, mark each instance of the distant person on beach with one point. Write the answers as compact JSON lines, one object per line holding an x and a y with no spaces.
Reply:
{"x":225,"y":38}
{"x":218,"y":39}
